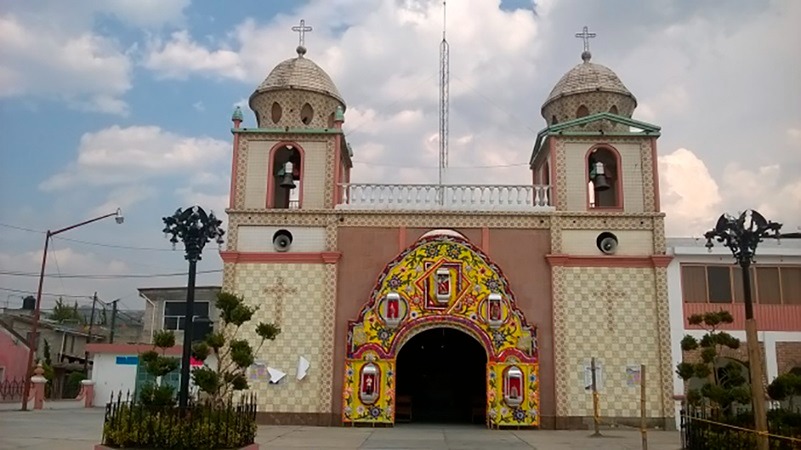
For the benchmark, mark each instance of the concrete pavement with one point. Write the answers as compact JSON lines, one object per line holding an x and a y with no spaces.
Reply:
{"x":80,"y":429}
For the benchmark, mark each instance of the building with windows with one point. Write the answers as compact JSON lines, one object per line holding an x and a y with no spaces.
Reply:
{"x":451,"y":302}
{"x":165,"y":309}
{"x":702,"y":280}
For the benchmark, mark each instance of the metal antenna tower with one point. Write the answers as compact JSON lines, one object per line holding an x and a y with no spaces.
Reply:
{"x":444,"y":80}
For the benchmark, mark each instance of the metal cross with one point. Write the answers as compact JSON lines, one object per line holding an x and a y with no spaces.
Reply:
{"x":301,"y":30}
{"x":586,"y":36}
{"x":279,"y":290}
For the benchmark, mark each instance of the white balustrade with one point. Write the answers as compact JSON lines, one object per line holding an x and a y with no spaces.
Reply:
{"x":448,"y":197}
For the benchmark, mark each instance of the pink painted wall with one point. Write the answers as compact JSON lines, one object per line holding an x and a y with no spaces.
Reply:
{"x":13,"y":355}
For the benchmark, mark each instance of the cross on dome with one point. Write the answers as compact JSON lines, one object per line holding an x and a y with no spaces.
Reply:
{"x":301,"y":30}
{"x":585,"y":35}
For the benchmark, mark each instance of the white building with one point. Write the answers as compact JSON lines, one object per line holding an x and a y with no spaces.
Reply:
{"x":700,"y":280}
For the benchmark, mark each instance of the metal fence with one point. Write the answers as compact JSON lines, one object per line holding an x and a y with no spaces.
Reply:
{"x":129,"y":423}
{"x":702,"y":430}
{"x":11,"y":390}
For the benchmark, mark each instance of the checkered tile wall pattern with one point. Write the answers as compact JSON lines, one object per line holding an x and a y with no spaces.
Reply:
{"x":300,"y":298}
{"x":616,"y":316}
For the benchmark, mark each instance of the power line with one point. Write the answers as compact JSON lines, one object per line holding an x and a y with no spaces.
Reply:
{"x":106,"y":276}
{"x":78,"y":241}
{"x":48,"y":294}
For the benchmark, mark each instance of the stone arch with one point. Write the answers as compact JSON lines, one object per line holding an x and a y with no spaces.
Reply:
{"x":479,"y":302}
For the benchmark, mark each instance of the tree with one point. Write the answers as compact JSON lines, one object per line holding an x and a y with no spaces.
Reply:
{"x":158,"y":365}
{"x":233,"y":355}
{"x":724,"y":384}
{"x":63,"y":313}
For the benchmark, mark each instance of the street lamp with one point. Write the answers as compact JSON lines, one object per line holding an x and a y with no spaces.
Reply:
{"x":32,"y":339}
{"x":742,"y":235}
{"x":194,"y":228}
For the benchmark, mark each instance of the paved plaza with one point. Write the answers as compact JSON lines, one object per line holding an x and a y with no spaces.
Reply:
{"x":80,"y":429}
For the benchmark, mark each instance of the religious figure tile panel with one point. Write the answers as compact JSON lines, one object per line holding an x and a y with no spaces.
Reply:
{"x":512,"y":394}
{"x":442,"y":281}
{"x":369,"y":390}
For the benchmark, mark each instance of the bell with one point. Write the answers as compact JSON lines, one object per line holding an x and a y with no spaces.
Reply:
{"x":599,"y":180}
{"x":287,"y":181}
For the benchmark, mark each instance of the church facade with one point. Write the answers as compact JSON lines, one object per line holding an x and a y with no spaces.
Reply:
{"x":457,"y":302}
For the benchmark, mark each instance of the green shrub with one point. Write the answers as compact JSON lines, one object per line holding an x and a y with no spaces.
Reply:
{"x":202,"y":427}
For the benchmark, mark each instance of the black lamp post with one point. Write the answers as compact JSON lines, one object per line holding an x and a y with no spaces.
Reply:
{"x":742,"y":235}
{"x":194,"y":228}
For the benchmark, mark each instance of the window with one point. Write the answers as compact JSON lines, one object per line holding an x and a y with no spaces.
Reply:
{"x":613,"y":109}
{"x":2,"y":373}
{"x":306,"y":114}
{"x":582,"y":112}
{"x":276,"y":112}
{"x":174,"y":313}
{"x":724,"y":284}
{"x":719,"y":284}
{"x":791,"y":285}
{"x":693,"y":284}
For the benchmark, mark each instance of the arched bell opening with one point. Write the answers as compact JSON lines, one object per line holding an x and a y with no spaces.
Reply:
{"x":603,"y":178}
{"x":441,"y":378}
{"x":285,"y":180}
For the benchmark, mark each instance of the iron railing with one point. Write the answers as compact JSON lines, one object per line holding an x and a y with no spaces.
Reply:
{"x":704,"y":430}
{"x":11,"y":390}
{"x":129,"y":423}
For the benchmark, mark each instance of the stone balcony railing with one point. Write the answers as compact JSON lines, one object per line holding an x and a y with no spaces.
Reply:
{"x":445,"y":197}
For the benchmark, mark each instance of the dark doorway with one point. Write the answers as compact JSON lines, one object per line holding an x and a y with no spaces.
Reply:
{"x":441,"y":377}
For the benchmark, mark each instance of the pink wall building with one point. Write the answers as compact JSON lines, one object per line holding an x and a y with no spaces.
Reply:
{"x":13,"y":354}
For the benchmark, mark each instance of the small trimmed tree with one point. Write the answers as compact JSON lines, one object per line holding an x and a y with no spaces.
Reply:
{"x":234,"y":355}
{"x":159,"y":365}
{"x":724,"y":384}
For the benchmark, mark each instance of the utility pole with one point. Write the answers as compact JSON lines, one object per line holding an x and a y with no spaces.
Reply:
{"x":89,"y":336}
{"x":113,"y":320}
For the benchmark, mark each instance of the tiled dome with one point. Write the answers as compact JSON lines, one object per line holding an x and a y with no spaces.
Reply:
{"x":588,"y":77}
{"x":299,"y":73}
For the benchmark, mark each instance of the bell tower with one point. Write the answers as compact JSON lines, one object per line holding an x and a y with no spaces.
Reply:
{"x":595,"y":157}
{"x":296,"y":156}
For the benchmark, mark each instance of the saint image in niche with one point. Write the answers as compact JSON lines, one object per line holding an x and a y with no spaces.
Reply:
{"x":369,"y":384}
{"x":392,"y":308}
{"x":443,"y":283}
{"x":495,"y":311}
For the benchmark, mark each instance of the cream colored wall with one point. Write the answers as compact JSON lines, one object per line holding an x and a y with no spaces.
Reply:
{"x":257,"y":166}
{"x":630,"y":242}
{"x":302,"y":318}
{"x":610,"y":314}
{"x":314,"y":172}
{"x":575,"y":154}
{"x":260,"y":239}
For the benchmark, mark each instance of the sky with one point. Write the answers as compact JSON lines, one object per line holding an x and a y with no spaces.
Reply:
{"x":127,"y":103}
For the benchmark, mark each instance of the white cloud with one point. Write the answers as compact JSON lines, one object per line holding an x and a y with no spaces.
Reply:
{"x":56,"y":52}
{"x":116,"y":156}
{"x":124,"y":198}
{"x":87,"y":70}
{"x":180,"y":56}
{"x":689,"y":194}
{"x":693,"y":199}
{"x":198,"y":106}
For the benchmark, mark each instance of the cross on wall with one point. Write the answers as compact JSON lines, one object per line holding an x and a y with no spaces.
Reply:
{"x":278,"y":291}
{"x":609,"y":294}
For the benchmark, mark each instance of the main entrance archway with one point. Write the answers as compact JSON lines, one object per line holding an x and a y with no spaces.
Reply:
{"x":441,"y":377}
{"x":442,"y":282}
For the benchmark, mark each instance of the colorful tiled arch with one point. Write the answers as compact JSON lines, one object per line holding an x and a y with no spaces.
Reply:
{"x":375,"y":339}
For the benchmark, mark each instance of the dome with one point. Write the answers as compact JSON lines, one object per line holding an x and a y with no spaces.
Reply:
{"x":588,"y":77}
{"x":299,"y":73}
